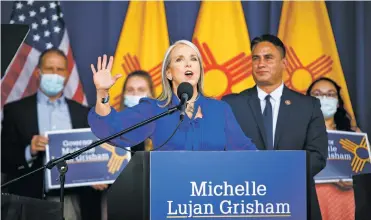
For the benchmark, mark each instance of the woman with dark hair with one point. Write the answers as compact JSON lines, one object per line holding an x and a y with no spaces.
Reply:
{"x":332,"y":104}
{"x":336,"y":200}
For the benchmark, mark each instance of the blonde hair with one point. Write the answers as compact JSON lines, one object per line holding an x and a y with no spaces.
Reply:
{"x":167,"y":90}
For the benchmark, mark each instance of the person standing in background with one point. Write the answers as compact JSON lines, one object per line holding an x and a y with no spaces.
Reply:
{"x":277,"y":118}
{"x":23,"y":142}
{"x":336,"y":200}
{"x":137,"y":85}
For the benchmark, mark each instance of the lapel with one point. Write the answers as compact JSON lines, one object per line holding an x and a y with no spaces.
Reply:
{"x":254,"y":103}
{"x":72,"y":112}
{"x":283,"y":115}
{"x":32,"y":120}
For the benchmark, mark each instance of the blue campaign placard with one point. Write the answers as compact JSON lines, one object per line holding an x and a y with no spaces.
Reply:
{"x":348,"y":155}
{"x":228,"y":185}
{"x":99,"y":165}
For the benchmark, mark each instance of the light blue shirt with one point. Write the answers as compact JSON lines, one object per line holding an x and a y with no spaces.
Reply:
{"x":51,"y":116}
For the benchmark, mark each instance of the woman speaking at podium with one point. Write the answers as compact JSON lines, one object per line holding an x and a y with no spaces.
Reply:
{"x":208,"y":124}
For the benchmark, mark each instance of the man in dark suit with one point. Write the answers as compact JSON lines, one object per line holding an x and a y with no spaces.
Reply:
{"x":25,"y":122}
{"x":362,"y":195}
{"x":277,"y":118}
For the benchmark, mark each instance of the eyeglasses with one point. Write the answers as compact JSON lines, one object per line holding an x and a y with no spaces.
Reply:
{"x":329,"y":94}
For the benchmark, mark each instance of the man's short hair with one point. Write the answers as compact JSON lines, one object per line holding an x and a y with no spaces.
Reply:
{"x":52,"y":50}
{"x":272,"y":39}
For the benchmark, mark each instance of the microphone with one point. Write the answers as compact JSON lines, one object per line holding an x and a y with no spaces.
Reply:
{"x":185,"y":93}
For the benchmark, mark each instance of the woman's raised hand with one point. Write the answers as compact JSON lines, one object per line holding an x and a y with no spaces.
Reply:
{"x":103,"y":79}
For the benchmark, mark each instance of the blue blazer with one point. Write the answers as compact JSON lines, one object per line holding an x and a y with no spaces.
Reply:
{"x":217,"y":130}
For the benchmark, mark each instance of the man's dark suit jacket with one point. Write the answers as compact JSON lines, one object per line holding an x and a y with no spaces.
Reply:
{"x":20,"y":124}
{"x":300,"y":126}
{"x":362,"y":195}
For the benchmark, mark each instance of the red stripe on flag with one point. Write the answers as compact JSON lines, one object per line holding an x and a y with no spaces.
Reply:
{"x":14,"y":72}
{"x":33,"y":84}
{"x":70,"y":60}
{"x":158,"y":66}
{"x":79,"y":94}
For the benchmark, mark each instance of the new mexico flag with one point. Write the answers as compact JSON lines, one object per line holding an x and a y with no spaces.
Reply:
{"x":223,"y":40}
{"x":142,"y":45}
{"x":306,"y":30}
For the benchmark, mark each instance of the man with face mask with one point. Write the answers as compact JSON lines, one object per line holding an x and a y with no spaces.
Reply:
{"x":25,"y":123}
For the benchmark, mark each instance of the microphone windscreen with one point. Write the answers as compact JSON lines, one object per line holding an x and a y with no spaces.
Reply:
{"x":185,"y":87}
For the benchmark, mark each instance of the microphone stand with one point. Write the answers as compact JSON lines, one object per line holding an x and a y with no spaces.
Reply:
{"x":62,"y":169}
{"x":61,"y":161}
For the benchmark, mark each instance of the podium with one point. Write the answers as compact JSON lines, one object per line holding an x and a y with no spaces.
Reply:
{"x":212,"y":185}
{"x":15,"y":207}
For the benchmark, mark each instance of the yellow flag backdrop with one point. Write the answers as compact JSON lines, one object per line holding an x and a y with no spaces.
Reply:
{"x":142,"y":45}
{"x":222,"y":37}
{"x":306,"y":30}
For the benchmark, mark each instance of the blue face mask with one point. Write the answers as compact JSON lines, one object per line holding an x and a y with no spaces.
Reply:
{"x":132,"y":100}
{"x":51,"y":84}
{"x":329,"y":106}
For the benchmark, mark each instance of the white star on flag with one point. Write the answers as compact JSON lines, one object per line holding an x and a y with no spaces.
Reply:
{"x":57,"y":29}
{"x":32,"y":13}
{"x":21,"y":18}
{"x":52,"y":5}
{"x":19,"y":5}
{"x":42,"y":9}
{"x":44,"y":21}
{"x":49,"y":45}
{"x":34,"y":25}
{"x":46,"y":33}
{"x":55,"y":17}
{"x":36,"y":37}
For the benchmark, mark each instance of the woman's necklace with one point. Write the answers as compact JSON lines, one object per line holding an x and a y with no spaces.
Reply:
{"x":191,"y":106}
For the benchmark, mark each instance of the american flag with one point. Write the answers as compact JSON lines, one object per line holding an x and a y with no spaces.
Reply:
{"x":47,"y":30}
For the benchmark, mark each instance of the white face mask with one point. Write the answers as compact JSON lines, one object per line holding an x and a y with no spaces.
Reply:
{"x":51,"y":83}
{"x":329,"y":106}
{"x":132,"y":100}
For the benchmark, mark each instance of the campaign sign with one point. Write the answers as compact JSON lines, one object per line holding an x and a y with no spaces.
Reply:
{"x":99,"y":165}
{"x":228,"y":185}
{"x":348,"y":155}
